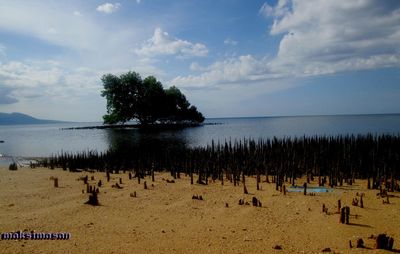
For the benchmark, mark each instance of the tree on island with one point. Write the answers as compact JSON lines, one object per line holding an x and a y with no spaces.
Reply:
{"x":129,"y":97}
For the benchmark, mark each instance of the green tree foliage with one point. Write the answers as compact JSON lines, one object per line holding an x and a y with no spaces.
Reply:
{"x":129,"y":97}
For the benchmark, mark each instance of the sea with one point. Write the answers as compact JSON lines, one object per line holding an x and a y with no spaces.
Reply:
{"x":31,"y":141}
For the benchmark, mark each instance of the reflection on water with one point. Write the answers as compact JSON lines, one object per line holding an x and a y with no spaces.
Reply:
{"x":118,"y":138}
{"x":44,"y":140}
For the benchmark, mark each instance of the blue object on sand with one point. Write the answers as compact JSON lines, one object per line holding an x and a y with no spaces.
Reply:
{"x":309,"y":189}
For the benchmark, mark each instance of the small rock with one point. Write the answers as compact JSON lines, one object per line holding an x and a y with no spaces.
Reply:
{"x":277,"y":247}
{"x":327,"y":250}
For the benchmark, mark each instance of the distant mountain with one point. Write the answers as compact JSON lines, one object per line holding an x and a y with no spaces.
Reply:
{"x":18,"y":118}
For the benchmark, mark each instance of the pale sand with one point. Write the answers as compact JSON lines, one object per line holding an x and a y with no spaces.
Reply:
{"x":165,"y":219}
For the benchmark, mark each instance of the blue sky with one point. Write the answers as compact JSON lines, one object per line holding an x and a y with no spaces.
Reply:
{"x":230,"y":57}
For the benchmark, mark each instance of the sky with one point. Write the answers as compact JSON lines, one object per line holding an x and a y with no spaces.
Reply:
{"x":231,"y":58}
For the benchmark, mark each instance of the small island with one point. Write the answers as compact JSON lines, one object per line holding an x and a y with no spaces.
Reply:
{"x":129,"y":97}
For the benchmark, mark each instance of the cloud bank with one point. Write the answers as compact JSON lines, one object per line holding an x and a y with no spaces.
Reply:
{"x":319,"y":37}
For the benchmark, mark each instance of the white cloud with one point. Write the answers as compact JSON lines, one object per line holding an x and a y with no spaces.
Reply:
{"x":279,"y":10}
{"x":138,"y":1}
{"x":163,"y":44}
{"x":230,"y":41}
{"x":33,"y":79}
{"x":108,"y":8}
{"x":319,"y":37}
{"x":333,"y":36}
{"x":234,"y":70}
{"x":77,"y":13}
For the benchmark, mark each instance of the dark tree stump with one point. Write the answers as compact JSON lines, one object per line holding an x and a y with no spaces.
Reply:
{"x":56,"y":182}
{"x":258,"y":181}
{"x":390,"y":243}
{"x":343,"y":215}
{"x":347,"y":214}
{"x":360,"y":243}
{"x":108,"y":176}
{"x":305,"y":188}
{"x":381,"y":241}
{"x":145,"y":185}
{"x":245,"y":189}
{"x":99,"y":183}
{"x":130,"y":176}
{"x":254,"y":201}
{"x":93,"y":200}
{"x":339,"y":205}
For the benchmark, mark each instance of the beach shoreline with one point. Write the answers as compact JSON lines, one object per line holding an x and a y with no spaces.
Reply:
{"x":165,"y":219}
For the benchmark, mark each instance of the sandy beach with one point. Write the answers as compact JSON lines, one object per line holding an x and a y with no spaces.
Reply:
{"x":165,"y":219}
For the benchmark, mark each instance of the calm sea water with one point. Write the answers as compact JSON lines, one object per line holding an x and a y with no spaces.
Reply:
{"x":44,"y":140}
